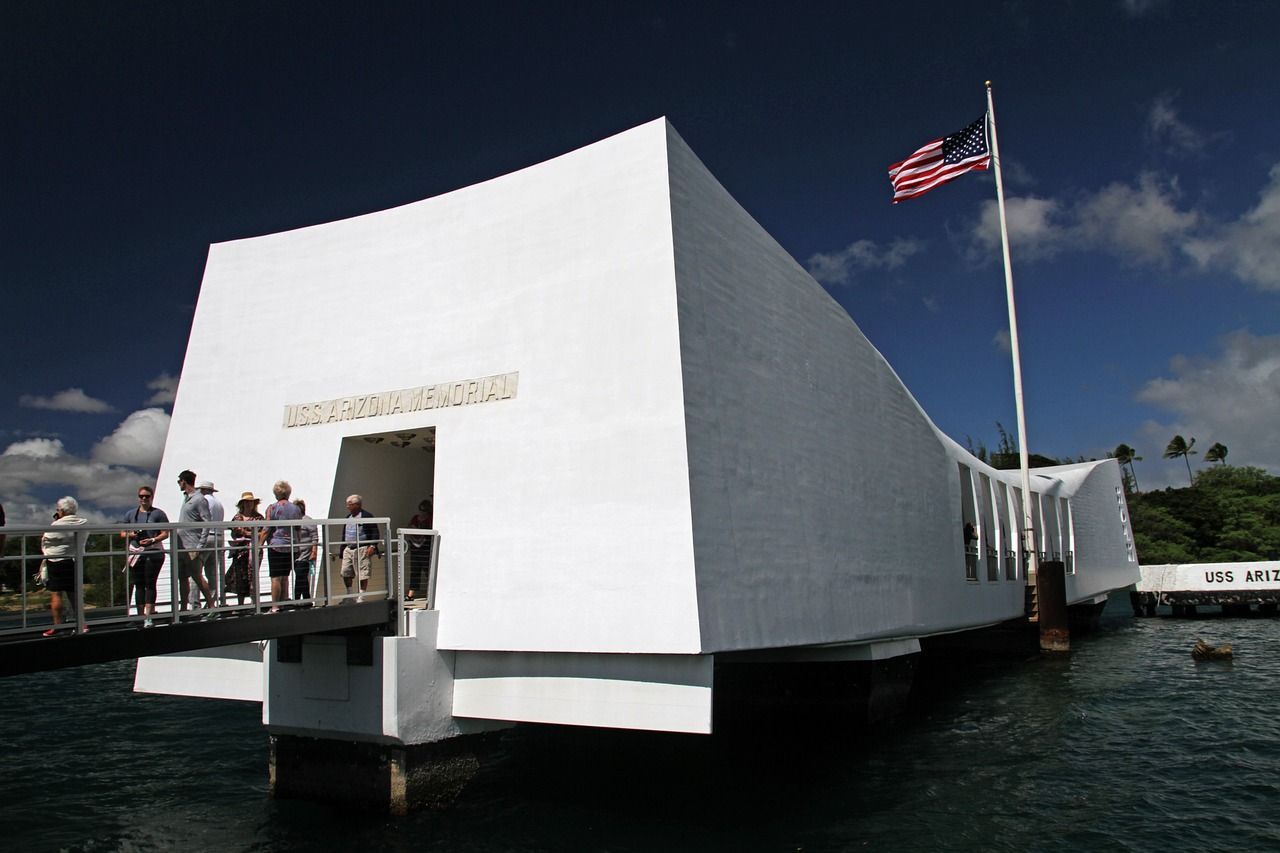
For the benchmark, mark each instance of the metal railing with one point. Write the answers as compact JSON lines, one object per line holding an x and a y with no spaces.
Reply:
{"x":106,"y":572}
{"x":419,"y":552}
{"x":1010,"y":565}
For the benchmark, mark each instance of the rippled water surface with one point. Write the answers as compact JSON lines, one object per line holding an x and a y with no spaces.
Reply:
{"x":1127,"y":744}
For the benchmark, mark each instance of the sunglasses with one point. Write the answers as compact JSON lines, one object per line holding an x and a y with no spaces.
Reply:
{"x":144,"y":497}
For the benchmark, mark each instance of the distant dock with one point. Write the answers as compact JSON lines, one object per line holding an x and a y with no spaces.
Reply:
{"x":1236,"y":587}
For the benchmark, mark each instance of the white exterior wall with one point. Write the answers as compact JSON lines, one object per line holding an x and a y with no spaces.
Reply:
{"x":826,"y":506}
{"x":565,"y":510}
{"x":1255,"y":576}
{"x":224,"y":672}
{"x":1101,"y":523}
{"x":704,"y":454}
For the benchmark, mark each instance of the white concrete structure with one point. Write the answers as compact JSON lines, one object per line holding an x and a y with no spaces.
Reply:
{"x":1210,"y":582}
{"x":651,"y":437}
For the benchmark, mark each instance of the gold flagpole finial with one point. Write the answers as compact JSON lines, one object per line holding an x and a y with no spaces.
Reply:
{"x":988,"y":84}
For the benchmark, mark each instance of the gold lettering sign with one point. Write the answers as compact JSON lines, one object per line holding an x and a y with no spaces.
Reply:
{"x":468,"y":392}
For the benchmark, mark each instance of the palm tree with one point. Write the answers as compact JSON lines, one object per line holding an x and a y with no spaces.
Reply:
{"x":1216,"y":453}
{"x":1126,"y":455}
{"x":1179,"y":447}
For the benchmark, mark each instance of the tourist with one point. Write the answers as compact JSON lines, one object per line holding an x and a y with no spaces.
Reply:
{"x":970,"y":550}
{"x":241,"y":576}
{"x":359,"y":544}
{"x":194,"y":540}
{"x":304,"y":561}
{"x":280,"y":542}
{"x":419,"y":551}
{"x":59,"y":549}
{"x":146,"y":554}
{"x":3,"y":539}
{"x":211,"y":559}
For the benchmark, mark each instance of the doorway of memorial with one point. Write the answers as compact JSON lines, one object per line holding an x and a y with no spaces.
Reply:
{"x":393,"y":473}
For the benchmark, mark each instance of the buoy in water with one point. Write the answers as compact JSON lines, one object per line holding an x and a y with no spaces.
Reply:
{"x":1204,"y":651}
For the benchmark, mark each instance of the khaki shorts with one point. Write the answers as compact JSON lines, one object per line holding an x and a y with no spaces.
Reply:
{"x":189,"y":563}
{"x":356,"y":562}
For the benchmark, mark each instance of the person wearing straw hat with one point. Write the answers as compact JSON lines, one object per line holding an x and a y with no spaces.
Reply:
{"x":240,"y":573}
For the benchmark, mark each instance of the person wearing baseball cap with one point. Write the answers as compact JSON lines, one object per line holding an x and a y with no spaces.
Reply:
{"x":212,"y":559}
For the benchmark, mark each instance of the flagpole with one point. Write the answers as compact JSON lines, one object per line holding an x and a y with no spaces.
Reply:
{"x":1029,"y":539}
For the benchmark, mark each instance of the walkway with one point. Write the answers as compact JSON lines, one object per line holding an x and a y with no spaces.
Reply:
{"x":31,"y":652}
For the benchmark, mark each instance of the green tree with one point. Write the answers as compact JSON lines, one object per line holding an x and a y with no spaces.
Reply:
{"x":1232,"y":515}
{"x":1160,"y":536}
{"x":1180,"y":447}
{"x":1126,"y":455}
{"x":1216,"y":453}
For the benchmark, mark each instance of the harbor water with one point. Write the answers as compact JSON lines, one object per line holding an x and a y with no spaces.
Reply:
{"x":1127,"y":744}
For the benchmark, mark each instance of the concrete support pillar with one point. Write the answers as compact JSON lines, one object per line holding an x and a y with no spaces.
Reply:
{"x":751,"y":696}
{"x":1051,"y":598}
{"x":391,"y":778}
{"x":889,"y":686}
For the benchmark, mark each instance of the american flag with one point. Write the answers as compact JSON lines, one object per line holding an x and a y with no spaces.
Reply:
{"x":940,"y":161}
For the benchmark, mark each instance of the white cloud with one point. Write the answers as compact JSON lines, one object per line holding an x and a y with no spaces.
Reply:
{"x":1232,"y":398}
{"x":70,"y":400}
{"x":1016,"y":174}
{"x":138,"y":441}
{"x":41,"y":465}
{"x":1139,"y":223}
{"x":861,"y":255}
{"x":29,"y":511}
{"x":1002,"y":341}
{"x":1036,"y":229}
{"x":35,"y":471}
{"x":37,"y":448}
{"x":1135,"y":223}
{"x":166,"y":387}
{"x":1249,"y":247}
{"x":1167,"y":131}
{"x":1138,"y":8}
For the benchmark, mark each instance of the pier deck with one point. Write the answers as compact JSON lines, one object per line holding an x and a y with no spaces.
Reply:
{"x":32,"y":652}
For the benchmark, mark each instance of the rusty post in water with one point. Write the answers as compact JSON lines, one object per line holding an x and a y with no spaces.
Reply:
{"x":1051,"y":600}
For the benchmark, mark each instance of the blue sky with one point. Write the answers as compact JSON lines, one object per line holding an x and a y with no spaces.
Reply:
{"x":1141,"y":155}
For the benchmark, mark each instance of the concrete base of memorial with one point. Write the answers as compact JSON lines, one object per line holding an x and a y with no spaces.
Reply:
{"x":395,"y":779}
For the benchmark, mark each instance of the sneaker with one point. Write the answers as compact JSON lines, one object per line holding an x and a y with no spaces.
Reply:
{"x":147,"y":623}
{"x":50,"y":632}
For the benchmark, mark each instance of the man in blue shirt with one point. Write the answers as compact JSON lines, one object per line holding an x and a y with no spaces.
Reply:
{"x":359,"y":544}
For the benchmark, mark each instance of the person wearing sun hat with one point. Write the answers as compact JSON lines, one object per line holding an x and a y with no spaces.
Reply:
{"x":240,"y":573}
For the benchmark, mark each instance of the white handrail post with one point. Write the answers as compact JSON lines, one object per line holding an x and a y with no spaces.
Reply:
{"x":78,"y":591}
{"x":431,"y":571}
